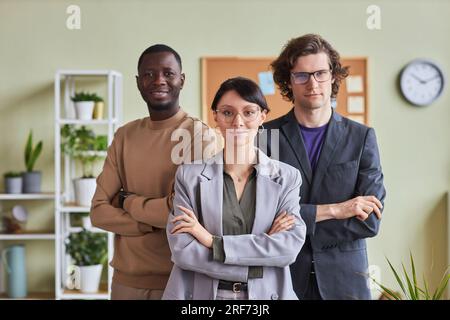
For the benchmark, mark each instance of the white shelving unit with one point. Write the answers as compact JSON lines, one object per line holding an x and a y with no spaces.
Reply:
{"x":24,"y":236}
{"x":28,"y":236}
{"x":65,"y":169}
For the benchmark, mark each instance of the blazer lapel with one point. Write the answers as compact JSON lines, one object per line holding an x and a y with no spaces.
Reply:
{"x":295,"y":139}
{"x":267,"y":194}
{"x":332,"y":138}
{"x":211,"y":195}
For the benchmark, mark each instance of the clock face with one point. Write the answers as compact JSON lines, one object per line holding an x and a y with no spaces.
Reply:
{"x":421,"y":82}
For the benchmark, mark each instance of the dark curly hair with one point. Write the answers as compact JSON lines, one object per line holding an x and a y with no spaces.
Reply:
{"x":302,"y":46}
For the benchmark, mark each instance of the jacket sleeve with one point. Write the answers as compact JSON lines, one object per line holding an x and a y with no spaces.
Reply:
{"x":104,"y":214}
{"x":369,"y":183}
{"x":309,"y":213}
{"x":277,"y":250}
{"x":187,"y":252}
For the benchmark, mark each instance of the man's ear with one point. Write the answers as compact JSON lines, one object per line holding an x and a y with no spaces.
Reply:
{"x":137,"y":81}
{"x":183,"y":78}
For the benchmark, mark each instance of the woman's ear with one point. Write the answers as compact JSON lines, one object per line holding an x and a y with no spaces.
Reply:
{"x":263,"y":116}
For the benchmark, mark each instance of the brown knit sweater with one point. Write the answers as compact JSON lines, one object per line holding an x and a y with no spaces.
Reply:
{"x":139,"y":161}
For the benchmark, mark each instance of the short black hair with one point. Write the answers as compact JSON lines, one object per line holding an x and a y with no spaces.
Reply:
{"x":247,"y":89}
{"x":159,"y":48}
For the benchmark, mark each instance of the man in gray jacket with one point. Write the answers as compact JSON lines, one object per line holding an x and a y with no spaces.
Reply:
{"x":342,"y":193}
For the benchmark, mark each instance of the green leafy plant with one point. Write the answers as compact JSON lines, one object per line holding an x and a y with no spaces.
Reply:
{"x":31,"y":152}
{"x":96,"y":98}
{"x":410,"y":286}
{"x":12,"y":174}
{"x":83,"y":145}
{"x":85,"y":96}
{"x":87,"y":248}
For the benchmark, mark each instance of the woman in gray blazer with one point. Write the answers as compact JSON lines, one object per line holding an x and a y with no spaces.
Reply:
{"x":235,"y":227}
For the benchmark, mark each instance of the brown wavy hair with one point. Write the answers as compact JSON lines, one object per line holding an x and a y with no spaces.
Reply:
{"x":302,"y":46}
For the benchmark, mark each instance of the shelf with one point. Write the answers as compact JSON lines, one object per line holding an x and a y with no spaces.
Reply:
{"x":93,"y":229}
{"x":99,"y":73}
{"x":73,"y":208}
{"x":85,"y":122}
{"x":31,"y":296}
{"x":27,"y":196}
{"x":76,"y":294}
{"x":28,"y":235}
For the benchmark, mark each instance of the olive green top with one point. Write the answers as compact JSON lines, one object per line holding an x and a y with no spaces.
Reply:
{"x":237,"y":216}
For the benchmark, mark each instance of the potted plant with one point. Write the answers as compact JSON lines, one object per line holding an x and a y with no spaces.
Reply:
{"x":31,"y":178}
{"x":410,"y":286}
{"x":99,"y":107}
{"x":13,"y":182}
{"x":84,"y":146}
{"x":84,"y":105}
{"x":89,"y":252}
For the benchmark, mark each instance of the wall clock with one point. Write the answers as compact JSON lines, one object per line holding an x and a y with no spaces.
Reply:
{"x":421,"y":82}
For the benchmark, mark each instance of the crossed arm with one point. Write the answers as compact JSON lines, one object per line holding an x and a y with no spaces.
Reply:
{"x":139,"y":215}
{"x":190,"y":242}
{"x":360,"y":216}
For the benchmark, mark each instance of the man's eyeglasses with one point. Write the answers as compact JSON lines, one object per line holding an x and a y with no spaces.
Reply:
{"x":228,"y":115}
{"x":303,"y":77}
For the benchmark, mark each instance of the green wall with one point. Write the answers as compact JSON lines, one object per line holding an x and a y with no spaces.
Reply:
{"x":414,"y":142}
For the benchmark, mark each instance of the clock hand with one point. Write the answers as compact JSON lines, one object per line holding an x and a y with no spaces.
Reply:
{"x":437,"y":76}
{"x":417,"y":78}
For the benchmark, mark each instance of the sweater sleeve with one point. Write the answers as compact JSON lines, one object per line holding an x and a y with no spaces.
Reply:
{"x":104,"y":214}
{"x":150,"y":211}
{"x":155,"y":211}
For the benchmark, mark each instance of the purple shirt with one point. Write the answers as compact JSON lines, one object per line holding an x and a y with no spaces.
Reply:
{"x":313,"y":138}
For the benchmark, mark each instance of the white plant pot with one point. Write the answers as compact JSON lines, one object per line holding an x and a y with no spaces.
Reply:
{"x":87,"y":222}
{"x":84,"y":191}
{"x":84,"y":110}
{"x":90,"y":278}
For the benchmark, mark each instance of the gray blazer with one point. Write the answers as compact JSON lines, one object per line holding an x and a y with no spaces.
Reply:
{"x":349,"y":166}
{"x":195,"y":275}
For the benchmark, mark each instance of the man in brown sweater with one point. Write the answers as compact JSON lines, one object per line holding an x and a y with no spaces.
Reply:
{"x":134,"y":191}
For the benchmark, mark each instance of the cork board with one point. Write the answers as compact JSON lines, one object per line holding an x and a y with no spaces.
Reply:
{"x":352,"y":100}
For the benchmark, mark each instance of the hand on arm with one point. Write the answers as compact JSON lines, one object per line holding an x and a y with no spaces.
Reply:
{"x":360,"y":207}
{"x":282,"y":222}
{"x":188,"y":223}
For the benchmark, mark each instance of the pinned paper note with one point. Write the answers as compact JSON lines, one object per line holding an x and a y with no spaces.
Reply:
{"x":355,"y":104}
{"x":266,"y":83}
{"x":359,"y":119}
{"x":354,"y":84}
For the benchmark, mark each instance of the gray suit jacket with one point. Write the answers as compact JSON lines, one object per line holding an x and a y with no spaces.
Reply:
{"x":195,"y":275}
{"x":349,"y":166}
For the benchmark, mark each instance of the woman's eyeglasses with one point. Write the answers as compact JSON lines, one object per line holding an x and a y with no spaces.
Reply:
{"x":228,"y":115}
